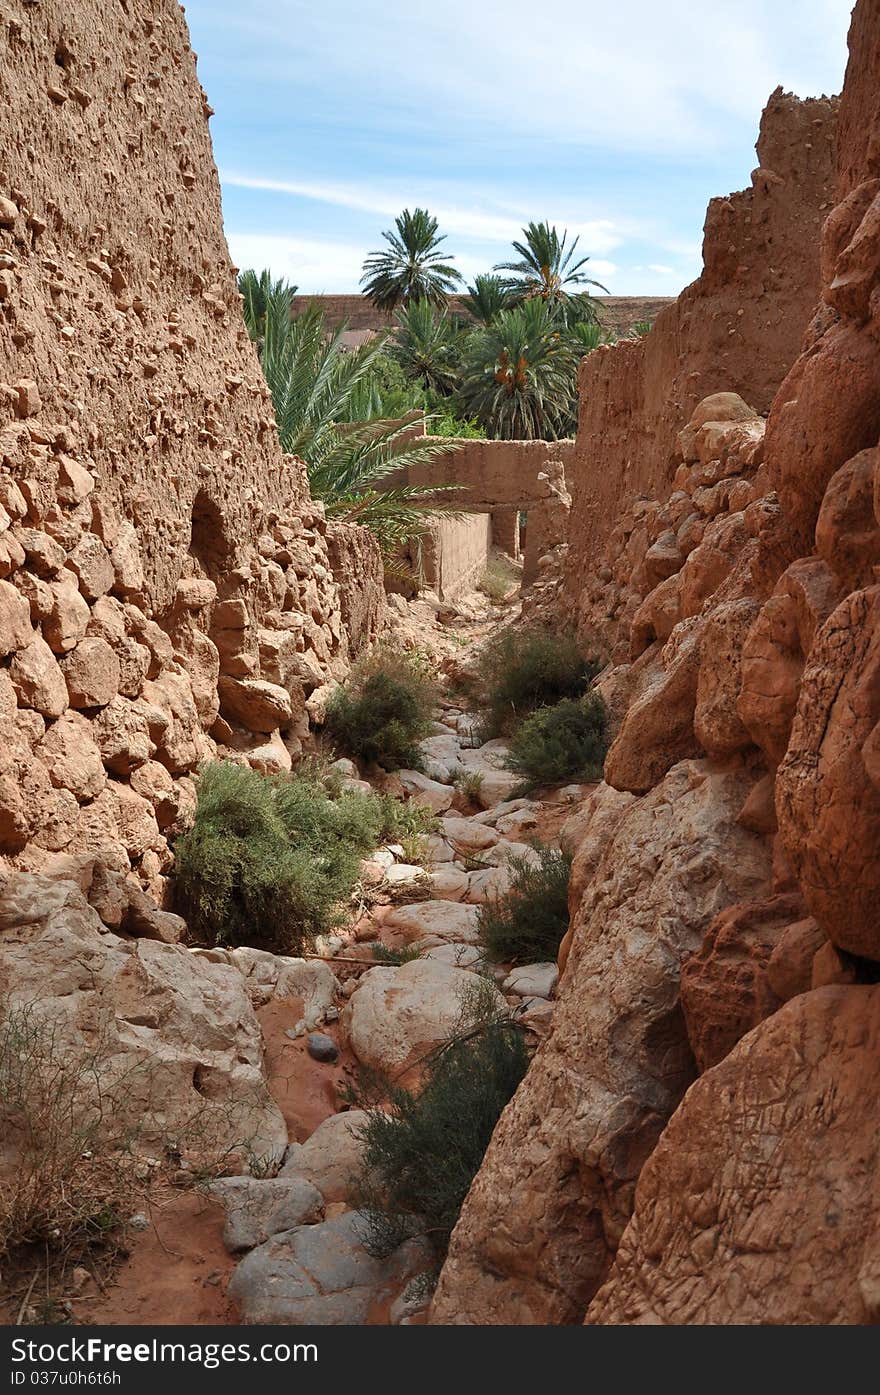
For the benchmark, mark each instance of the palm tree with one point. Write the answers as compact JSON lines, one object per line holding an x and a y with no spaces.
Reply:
{"x":519,"y":377}
{"x":315,"y":385}
{"x":412,"y":268}
{"x":426,"y":346}
{"x":545,"y":269}
{"x":257,"y":292}
{"x":486,"y":298}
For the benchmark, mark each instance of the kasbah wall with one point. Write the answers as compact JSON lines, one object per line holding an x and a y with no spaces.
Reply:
{"x":696,"y":1140}
{"x":166,"y":590}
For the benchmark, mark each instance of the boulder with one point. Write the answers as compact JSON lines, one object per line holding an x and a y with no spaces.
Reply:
{"x":71,"y":757}
{"x":436,"y":796}
{"x":445,"y":920}
{"x":91,"y":672}
{"x":321,"y":1275}
{"x":828,"y":786}
{"x":725,"y":986}
{"x":398,"y":1015}
{"x":555,"y":1191}
{"x":38,"y":680}
{"x":773,"y":1223}
{"x":254,"y":703}
{"x":532,"y":981}
{"x":331,"y":1157}
{"x":257,"y":1209}
{"x":177,"y":1029}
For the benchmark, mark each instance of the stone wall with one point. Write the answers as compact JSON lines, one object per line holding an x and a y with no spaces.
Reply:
{"x":738,"y":327}
{"x":165,"y":582}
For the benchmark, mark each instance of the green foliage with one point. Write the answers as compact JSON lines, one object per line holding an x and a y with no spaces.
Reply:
{"x":259,"y":292}
{"x":384,"y":710}
{"x":640,"y":329}
{"x":383,"y":954}
{"x":446,"y":423}
{"x":412,"y":267}
{"x":518,"y":671}
{"x":323,"y":399}
{"x":268,"y":860}
{"x":584,"y":336}
{"x":486,"y":298}
{"x":545,"y":269}
{"x":519,"y":375}
{"x":526,"y":924}
{"x":423,"y":1149}
{"x":426,"y":345}
{"x":564,"y":742}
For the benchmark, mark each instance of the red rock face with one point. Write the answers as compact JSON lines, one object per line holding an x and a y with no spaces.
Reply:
{"x":737,"y":328}
{"x":759,"y":1203}
{"x":741,"y":611}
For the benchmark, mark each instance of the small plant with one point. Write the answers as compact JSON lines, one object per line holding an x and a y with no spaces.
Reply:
{"x":519,"y":671}
{"x":565,"y":742}
{"x":63,"y":1117}
{"x":526,"y":924}
{"x":383,"y":954}
{"x":403,"y":821}
{"x":384,"y":710}
{"x":469,"y":783}
{"x":268,"y":860}
{"x":423,"y":1149}
{"x":497,"y":580}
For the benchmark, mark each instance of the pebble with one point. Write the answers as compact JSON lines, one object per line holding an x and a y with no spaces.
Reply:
{"x":321,"y":1047}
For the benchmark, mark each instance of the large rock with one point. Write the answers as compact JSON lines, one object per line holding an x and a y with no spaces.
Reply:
{"x":759,"y":1203}
{"x":448,"y":921}
{"x":175,"y":1031}
{"x":658,"y":729}
{"x":545,"y":1213}
{"x":92,"y":673}
{"x":725,"y":987}
{"x":255,"y":704}
{"x":436,"y":796}
{"x":38,"y":680}
{"x":828,"y":787}
{"x":322,"y":1275}
{"x":397,"y":1016}
{"x":330,"y":1159}
{"x":258,"y":1208}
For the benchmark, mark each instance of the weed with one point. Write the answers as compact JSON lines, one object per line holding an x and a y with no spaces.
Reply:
{"x":565,"y":742}
{"x":526,"y":924}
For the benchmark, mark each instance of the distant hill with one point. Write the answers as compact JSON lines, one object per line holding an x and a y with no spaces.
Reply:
{"x":619,"y":312}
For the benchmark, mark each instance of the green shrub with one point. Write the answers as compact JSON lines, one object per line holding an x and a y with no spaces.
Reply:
{"x":383,"y":954}
{"x":526,"y":924}
{"x":564,"y":742}
{"x":423,"y":1149}
{"x":268,"y":860}
{"x":519,"y":671}
{"x":384,"y":710}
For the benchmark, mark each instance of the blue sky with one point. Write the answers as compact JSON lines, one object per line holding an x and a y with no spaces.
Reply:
{"x":618,"y":120}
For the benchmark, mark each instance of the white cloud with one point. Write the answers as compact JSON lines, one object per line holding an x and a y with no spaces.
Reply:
{"x":632,"y":75}
{"x":326,"y":267}
{"x":462,"y":220}
{"x":661,"y":270}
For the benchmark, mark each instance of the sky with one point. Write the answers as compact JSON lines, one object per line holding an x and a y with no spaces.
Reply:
{"x":617,"y":120}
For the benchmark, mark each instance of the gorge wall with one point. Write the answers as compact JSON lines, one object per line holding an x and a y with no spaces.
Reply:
{"x":696,"y":1141}
{"x":166,"y":583}
{"x":738,"y":327}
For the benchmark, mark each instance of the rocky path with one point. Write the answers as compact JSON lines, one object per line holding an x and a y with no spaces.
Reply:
{"x":298,"y":1235}
{"x":287,"y":1248}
